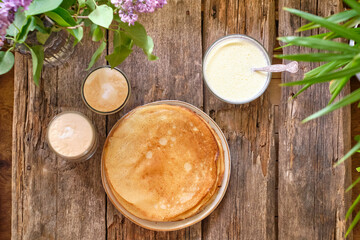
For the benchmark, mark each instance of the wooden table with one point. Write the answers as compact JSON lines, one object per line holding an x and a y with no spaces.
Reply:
{"x":283,"y":184}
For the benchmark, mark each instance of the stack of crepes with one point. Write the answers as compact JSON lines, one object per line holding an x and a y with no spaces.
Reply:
{"x":163,"y":162}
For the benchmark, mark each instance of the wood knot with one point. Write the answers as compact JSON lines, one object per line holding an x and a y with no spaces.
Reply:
{"x":213,"y":14}
{"x":28,"y":167}
{"x":212,"y":113}
{"x":187,"y":12}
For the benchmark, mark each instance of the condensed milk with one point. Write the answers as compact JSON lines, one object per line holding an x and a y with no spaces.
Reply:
{"x":72,"y":136}
{"x":105,"y":90}
{"x":227,"y":69}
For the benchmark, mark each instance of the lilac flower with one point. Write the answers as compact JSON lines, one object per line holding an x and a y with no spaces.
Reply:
{"x":8,"y":8}
{"x":128,"y":9}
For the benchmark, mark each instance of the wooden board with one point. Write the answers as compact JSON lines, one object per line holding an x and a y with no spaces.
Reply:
{"x":6,"y":111}
{"x":176,"y":31}
{"x":52,"y":198}
{"x":312,"y":199}
{"x":248,"y":209}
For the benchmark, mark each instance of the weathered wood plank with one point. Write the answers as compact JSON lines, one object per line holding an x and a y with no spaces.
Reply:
{"x":6,"y":110}
{"x":52,"y":198}
{"x":312,"y":199}
{"x":176,"y":30}
{"x":248,"y":209}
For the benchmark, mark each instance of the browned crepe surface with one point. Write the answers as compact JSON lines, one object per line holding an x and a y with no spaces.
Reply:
{"x":163,"y":162}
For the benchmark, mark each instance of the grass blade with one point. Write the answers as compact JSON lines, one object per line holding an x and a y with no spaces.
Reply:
{"x":336,"y":18}
{"x":316,"y":57}
{"x":320,"y":44}
{"x":353,"y":224}
{"x":353,"y":184}
{"x":326,"y":77}
{"x":349,"y":154}
{"x":351,"y":98}
{"x":301,"y":90}
{"x":340,"y":30}
{"x":354,"y":5}
{"x":327,"y":67}
{"x":352,"y":207}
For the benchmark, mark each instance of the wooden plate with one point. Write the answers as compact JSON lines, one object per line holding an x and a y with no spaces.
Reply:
{"x":171,"y":226}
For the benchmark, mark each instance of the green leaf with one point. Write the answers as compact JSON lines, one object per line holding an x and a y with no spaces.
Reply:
{"x":118,"y":56}
{"x":353,"y":184}
{"x":39,"y":25}
{"x":353,"y":224}
{"x":326,"y":77}
{"x":102,"y":16}
{"x":320,"y":44}
{"x":358,"y":169}
{"x":349,"y":154}
{"x":37,"y":55}
{"x":82,"y":3}
{"x":327,"y":67}
{"x":336,"y":18}
{"x":90,"y":4}
{"x":121,"y":39}
{"x":340,"y":30}
{"x":77,"y":33}
{"x":97,"y":54}
{"x":340,"y":84}
{"x":42,"y":6}
{"x":352,"y":207}
{"x":61,"y":17}
{"x":42,"y":37}
{"x":302,"y":90}
{"x":6,"y":61}
{"x":354,"y":5}
{"x":351,"y":98}
{"x":138,"y":34}
{"x":19,"y":22}
{"x":96,"y":33}
{"x":67,"y":3}
{"x":316,"y":57}
{"x":29,"y":26}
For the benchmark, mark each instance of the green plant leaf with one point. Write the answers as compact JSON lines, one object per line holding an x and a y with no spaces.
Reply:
{"x":340,"y":30}
{"x":97,"y":54}
{"x":358,"y":169}
{"x":352,"y":207}
{"x":326,"y":77}
{"x":90,"y":4}
{"x":96,"y":33}
{"x":82,"y":3}
{"x":102,"y":16}
{"x":353,"y":184}
{"x":302,"y":90}
{"x":349,"y":154}
{"x":353,"y":224}
{"x":121,"y":39}
{"x":39,"y":25}
{"x":19,"y":22}
{"x":138,"y":34}
{"x":354,"y":5}
{"x":67,"y":3}
{"x":327,"y":67}
{"x":6,"y":61}
{"x":351,"y":98}
{"x":42,"y":6}
{"x":29,"y":26}
{"x":336,"y":18}
{"x":320,"y":44}
{"x":316,"y":57}
{"x":37,"y":56}
{"x":339,"y":84}
{"x":42,"y":37}
{"x":61,"y":17}
{"x":118,"y":56}
{"x":77,"y":33}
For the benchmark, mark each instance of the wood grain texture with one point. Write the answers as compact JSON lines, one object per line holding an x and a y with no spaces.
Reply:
{"x":312,"y":199}
{"x":53,"y":198}
{"x":248,"y":209}
{"x":176,"y":31}
{"x":6,"y":111}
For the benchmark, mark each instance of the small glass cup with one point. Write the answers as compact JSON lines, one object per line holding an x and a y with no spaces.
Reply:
{"x":88,"y":152}
{"x":109,"y":112}
{"x":255,"y":42}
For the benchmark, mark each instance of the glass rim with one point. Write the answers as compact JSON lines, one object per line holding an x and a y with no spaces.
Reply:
{"x":237,"y":36}
{"x":82,"y":156}
{"x":112,"y":111}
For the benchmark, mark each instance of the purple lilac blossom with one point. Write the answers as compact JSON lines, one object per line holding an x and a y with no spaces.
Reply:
{"x":8,"y":8}
{"x":128,"y":9}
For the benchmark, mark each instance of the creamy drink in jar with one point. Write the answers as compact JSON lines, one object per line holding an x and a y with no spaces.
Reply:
{"x":106,"y":90}
{"x":227,"y":69}
{"x":72,"y":136}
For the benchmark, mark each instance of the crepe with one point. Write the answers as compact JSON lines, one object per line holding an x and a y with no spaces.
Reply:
{"x":163,"y":162}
